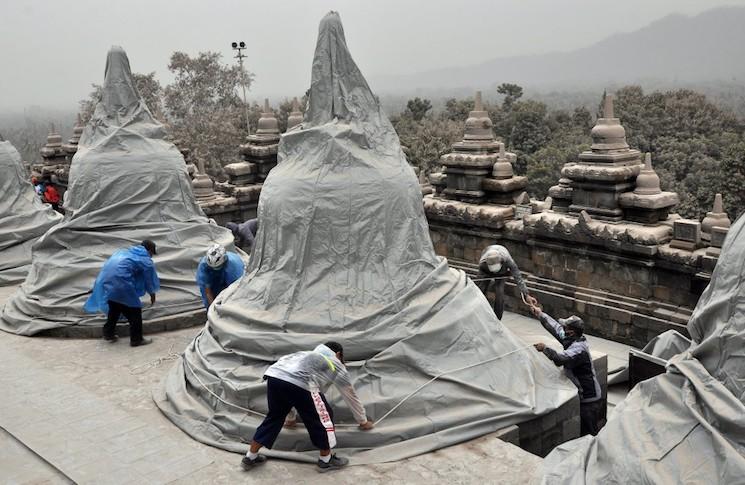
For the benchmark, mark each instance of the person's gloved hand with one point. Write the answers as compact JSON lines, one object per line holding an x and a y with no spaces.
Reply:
{"x":367,"y":425}
{"x":539,"y":346}
{"x":152,"y":299}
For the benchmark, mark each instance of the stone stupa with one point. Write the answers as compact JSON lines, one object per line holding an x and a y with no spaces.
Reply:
{"x":23,"y":217}
{"x":126,"y":185}
{"x":343,"y":252}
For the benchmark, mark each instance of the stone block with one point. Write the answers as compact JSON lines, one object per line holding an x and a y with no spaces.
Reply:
{"x":686,"y":234}
{"x":718,"y":234}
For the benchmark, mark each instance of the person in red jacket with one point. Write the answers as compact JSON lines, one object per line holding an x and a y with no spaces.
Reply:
{"x":52,"y":196}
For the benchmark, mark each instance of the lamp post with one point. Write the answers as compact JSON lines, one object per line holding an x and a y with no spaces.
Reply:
{"x":239,"y":47}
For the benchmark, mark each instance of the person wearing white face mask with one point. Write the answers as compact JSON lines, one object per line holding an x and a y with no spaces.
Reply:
{"x":495,"y":264}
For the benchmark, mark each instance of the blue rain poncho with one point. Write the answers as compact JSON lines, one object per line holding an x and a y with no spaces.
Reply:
{"x":218,"y":279}
{"x":125,"y":277}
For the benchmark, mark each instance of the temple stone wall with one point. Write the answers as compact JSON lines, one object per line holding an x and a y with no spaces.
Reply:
{"x":623,"y":297}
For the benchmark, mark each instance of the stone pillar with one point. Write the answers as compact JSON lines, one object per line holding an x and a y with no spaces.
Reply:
{"x":716,"y":218}
{"x":203,"y":186}
{"x":472,"y":159}
{"x":647,"y":204}
{"x":503,"y":186}
{"x":561,"y":194}
{"x":296,"y":116}
{"x":55,"y":164}
{"x":261,"y":148}
{"x":604,"y":172}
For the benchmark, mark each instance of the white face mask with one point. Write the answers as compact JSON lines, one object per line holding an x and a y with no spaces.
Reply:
{"x":494,"y":268}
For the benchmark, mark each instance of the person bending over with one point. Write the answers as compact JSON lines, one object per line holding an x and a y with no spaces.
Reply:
{"x":217,"y":270}
{"x":496,"y":262}
{"x":298,"y":381}
{"x":125,"y":277}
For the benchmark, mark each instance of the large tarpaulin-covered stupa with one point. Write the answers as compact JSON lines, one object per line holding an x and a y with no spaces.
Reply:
{"x":127,"y":184}
{"x":687,"y":425}
{"x":343,"y":253}
{"x":23,"y":217}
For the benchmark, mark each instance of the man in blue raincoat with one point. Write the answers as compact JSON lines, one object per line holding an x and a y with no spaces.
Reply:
{"x":125,"y":277}
{"x":217,"y":270}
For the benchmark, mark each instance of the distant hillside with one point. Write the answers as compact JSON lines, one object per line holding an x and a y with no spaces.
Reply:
{"x":675,"y":49}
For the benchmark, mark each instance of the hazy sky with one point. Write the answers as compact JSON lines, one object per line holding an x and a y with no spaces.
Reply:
{"x":52,"y":50}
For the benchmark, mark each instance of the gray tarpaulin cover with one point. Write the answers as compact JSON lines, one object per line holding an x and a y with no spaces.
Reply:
{"x":664,"y":346}
{"x":126,"y":184}
{"x":687,"y":425}
{"x":343,"y":253}
{"x":23,"y":217}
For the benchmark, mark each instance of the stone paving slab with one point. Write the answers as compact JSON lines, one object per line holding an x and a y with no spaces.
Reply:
{"x":57,"y":393}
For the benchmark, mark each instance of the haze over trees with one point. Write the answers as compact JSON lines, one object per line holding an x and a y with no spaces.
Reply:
{"x":698,"y":148}
{"x":697,"y":145}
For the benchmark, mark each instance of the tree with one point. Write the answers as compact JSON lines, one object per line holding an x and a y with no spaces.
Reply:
{"x":530,"y":130}
{"x":457,"y":110}
{"x":692,"y":142}
{"x":417,"y":108}
{"x":511,"y":92}
{"x":203,"y":108}
{"x":427,"y":139}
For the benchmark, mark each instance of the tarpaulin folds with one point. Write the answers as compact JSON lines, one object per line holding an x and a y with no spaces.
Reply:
{"x":127,"y":184}
{"x":343,"y":253}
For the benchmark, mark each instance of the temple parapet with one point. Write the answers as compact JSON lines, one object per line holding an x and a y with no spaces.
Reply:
{"x":604,"y":244}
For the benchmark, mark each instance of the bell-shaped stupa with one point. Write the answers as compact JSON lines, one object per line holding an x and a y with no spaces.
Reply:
{"x":343,"y":253}
{"x":127,"y":184}
{"x":23,"y":217}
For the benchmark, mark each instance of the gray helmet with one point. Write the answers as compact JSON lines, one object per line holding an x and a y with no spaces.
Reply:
{"x":573,"y":322}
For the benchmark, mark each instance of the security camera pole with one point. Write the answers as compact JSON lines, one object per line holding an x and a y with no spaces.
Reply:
{"x":239,"y":46}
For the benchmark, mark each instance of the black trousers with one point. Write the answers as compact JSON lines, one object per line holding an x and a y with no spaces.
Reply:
{"x":133,"y":316}
{"x":281,"y":397}
{"x":498,"y":286}
{"x":589,"y":417}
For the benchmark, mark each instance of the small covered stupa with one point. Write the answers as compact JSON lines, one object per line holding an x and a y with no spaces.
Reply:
{"x":23,"y":217}
{"x":343,"y":252}
{"x":688,"y":424}
{"x":127,"y":184}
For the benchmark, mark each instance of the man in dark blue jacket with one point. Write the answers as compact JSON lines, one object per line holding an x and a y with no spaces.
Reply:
{"x":577,"y":363}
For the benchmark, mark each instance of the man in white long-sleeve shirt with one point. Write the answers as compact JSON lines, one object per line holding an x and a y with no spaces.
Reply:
{"x":298,"y":381}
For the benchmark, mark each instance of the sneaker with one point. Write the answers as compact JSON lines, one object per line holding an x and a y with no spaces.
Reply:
{"x":111,"y":339}
{"x":144,"y":341}
{"x":247,"y":463}
{"x":334,"y":464}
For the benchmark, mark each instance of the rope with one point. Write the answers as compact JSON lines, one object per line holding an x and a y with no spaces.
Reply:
{"x":491,"y":278}
{"x":204,"y":386}
{"x":445,"y":373}
{"x":141,"y":369}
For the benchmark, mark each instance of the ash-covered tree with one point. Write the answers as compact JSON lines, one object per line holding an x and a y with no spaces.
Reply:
{"x":457,"y":109}
{"x":694,"y":145}
{"x":205,"y":112}
{"x":511,"y":93}
{"x":417,"y":108}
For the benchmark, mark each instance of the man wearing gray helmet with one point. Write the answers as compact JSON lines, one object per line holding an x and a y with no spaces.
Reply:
{"x":577,"y":363}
